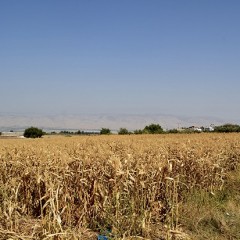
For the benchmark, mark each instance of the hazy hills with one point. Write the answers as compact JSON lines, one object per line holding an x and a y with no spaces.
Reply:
{"x":97,"y":121}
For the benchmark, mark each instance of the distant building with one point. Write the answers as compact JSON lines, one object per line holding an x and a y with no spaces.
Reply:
{"x":12,"y":134}
{"x":209,"y":129}
{"x":196,"y":129}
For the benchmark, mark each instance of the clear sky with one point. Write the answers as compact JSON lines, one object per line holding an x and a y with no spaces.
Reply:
{"x":125,"y":56}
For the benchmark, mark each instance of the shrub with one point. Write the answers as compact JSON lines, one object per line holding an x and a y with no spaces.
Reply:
{"x":227,"y":128}
{"x":33,"y":132}
{"x":105,"y":131}
{"x":138,"y":131}
{"x":174,"y":130}
{"x":123,"y":131}
{"x":153,"y":129}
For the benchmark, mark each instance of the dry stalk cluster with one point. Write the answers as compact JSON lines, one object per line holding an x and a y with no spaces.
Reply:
{"x":60,"y":188}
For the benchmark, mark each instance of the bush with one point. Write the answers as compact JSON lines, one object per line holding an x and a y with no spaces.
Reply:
{"x":123,"y":131}
{"x":174,"y":130}
{"x":138,"y":131}
{"x":79,"y":132}
{"x":33,"y":132}
{"x":105,"y":131}
{"x":227,"y":128}
{"x":153,"y":129}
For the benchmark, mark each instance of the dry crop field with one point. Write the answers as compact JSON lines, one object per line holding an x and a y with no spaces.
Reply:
{"x":126,"y":187}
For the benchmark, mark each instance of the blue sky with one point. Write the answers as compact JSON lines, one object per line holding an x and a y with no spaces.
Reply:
{"x":107,"y":56}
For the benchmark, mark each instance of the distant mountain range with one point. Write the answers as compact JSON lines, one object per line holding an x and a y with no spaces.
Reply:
{"x":97,"y":121}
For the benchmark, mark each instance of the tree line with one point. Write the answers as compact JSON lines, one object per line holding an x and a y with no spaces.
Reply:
{"x":34,"y":132}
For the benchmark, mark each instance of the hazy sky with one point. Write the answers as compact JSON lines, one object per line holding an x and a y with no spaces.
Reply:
{"x":125,"y":56}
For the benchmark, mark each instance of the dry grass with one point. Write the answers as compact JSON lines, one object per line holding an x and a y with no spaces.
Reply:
{"x":74,"y":188}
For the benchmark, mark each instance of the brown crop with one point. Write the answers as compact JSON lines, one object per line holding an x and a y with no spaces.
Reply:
{"x":76,"y":187}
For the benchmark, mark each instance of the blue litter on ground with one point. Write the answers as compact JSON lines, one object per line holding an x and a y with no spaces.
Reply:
{"x":102,"y":237}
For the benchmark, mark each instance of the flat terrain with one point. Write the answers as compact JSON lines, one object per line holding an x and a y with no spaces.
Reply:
{"x":180,"y":186}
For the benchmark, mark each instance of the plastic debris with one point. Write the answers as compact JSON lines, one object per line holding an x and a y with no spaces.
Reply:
{"x":102,"y":237}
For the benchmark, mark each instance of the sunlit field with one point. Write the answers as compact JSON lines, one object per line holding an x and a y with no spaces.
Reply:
{"x":179,"y":186}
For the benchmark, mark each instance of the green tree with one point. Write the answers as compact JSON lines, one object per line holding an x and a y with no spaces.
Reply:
{"x":105,"y":131}
{"x":33,"y":132}
{"x":174,"y":130}
{"x":138,"y":131}
{"x":79,"y":132}
{"x":227,"y":128}
{"x":153,"y":129}
{"x":123,"y":131}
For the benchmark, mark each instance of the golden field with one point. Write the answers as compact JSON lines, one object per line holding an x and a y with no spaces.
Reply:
{"x":126,"y":187}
